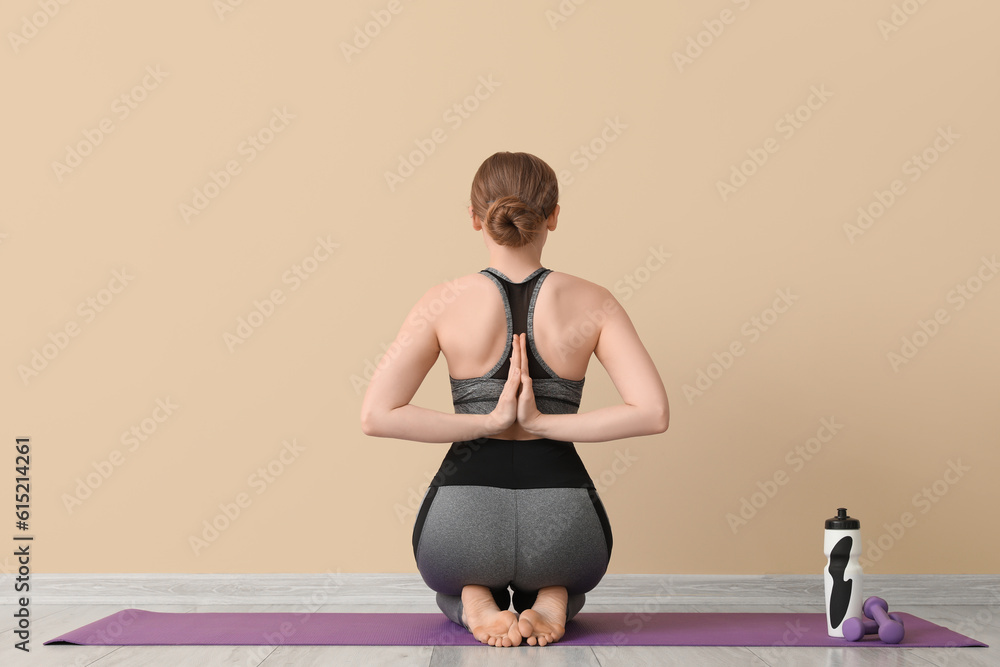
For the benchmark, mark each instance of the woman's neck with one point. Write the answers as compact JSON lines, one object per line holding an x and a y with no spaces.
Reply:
{"x":515,"y":268}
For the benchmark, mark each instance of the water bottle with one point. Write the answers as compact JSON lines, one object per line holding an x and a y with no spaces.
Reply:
{"x":842,"y":576}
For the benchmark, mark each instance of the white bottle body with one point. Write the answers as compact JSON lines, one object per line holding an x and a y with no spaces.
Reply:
{"x":852,"y":573}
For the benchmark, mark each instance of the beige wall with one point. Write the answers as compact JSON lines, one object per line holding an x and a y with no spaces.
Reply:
{"x":172,"y":283}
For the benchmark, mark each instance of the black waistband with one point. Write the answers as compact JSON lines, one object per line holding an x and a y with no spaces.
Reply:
{"x":513,"y":464}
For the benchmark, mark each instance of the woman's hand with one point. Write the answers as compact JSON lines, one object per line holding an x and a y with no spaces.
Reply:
{"x":506,"y":411}
{"x":528,"y":415}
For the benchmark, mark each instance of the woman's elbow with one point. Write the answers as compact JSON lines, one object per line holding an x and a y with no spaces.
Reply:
{"x":661,"y":419}
{"x":369,"y":424}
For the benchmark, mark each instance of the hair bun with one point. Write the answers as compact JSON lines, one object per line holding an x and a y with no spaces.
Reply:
{"x":509,"y":211}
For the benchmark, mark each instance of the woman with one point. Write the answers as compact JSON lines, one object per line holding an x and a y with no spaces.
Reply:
{"x":512,"y":504}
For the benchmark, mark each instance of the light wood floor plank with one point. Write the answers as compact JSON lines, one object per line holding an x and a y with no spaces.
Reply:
{"x":349,"y":656}
{"x":514,"y":656}
{"x":676,"y":656}
{"x":185,"y":656}
{"x":36,"y":612}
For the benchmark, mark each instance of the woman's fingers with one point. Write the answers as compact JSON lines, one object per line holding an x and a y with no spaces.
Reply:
{"x":514,"y":374}
{"x":527,"y":411}
{"x":515,"y":359}
{"x":524,"y":354}
{"x":525,"y":377}
{"x":505,"y":412}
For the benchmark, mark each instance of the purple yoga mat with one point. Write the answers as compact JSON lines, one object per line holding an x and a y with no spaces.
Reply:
{"x":139,"y":627}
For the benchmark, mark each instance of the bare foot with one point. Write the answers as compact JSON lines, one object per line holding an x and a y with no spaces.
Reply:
{"x":545,"y":622}
{"x":486,"y":621}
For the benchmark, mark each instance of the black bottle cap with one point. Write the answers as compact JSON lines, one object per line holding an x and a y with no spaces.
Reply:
{"x":842,"y":521}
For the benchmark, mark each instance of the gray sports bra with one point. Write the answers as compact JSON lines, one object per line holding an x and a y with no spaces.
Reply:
{"x":553,"y":394}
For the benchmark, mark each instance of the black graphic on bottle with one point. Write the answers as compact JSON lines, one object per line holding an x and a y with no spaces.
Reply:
{"x":841,"y":595}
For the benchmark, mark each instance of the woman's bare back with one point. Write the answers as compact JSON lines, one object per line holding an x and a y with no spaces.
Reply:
{"x":472,"y":329}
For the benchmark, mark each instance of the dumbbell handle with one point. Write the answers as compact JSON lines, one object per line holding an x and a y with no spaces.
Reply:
{"x":857,"y":627}
{"x":889,"y":629}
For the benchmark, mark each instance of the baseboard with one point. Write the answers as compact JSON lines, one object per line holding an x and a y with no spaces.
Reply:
{"x":643,"y":590}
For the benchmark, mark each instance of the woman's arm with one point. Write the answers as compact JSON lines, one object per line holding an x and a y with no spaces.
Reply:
{"x":411,"y":422}
{"x":386,"y":410}
{"x":601,"y":425}
{"x":634,"y":374}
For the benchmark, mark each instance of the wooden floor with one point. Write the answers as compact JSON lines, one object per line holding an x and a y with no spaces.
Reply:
{"x":981,"y":622}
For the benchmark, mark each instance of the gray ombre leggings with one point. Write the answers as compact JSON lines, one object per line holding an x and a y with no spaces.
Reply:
{"x":525,"y":539}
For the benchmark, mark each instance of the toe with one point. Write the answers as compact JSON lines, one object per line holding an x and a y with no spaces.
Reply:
{"x":514,"y":635}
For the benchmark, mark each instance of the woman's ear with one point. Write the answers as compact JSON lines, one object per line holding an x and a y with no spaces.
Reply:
{"x":476,"y":222}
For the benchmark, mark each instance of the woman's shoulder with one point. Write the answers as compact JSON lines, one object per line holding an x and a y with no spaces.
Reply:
{"x":577,"y":286}
{"x":449,"y":290}
{"x":572,"y":280}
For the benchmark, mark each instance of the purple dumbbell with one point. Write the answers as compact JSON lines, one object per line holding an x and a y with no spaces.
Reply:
{"x":855,"y":628}
{"x":890,"y":630}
